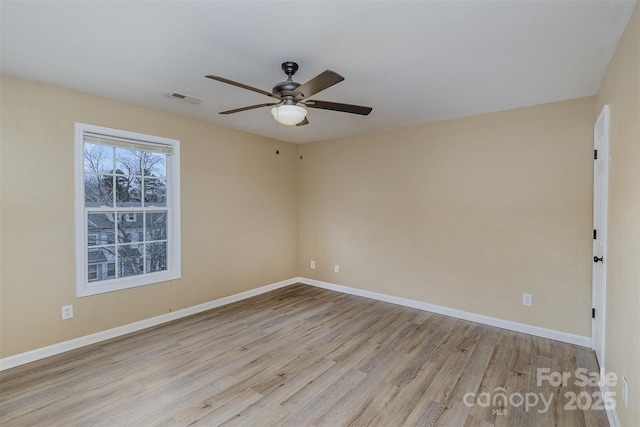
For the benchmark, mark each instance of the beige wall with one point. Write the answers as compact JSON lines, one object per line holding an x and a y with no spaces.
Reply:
{"x":468,"y":213}
{"x":621,"y":90}
{"x":239,"y":215}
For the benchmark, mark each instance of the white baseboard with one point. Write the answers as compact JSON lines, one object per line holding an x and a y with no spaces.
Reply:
{"x":612,"y":414}
{"x":465,"y":315}
{"x":52,"y":350}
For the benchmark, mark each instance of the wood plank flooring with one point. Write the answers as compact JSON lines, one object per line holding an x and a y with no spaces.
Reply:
{"x":303,"y":356}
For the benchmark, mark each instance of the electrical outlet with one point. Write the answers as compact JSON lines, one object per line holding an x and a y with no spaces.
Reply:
{"x":67,"y":312}
{"x":625,"y":392}
{"x":336,"y":268}
{"x":527,"y":299}
{"x":313,"y":264}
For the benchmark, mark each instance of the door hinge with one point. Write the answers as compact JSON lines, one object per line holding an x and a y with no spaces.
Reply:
{"x":595,"y":154}
{"x":593,"y":313}
{"x":595,"y":234}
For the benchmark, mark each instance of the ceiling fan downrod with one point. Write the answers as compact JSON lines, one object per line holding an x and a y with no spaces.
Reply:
{"x":289,"y":86}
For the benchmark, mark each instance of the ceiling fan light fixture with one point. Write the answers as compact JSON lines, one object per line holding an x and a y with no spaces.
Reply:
{"x":292,"y":96}
{"x":288,"y":114}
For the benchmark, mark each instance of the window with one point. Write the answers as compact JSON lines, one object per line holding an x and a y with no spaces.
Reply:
{"x":127,"y":209}
{"x":93,"y":272}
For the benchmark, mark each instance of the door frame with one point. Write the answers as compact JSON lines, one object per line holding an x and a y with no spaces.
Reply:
{"x":600,"y":208}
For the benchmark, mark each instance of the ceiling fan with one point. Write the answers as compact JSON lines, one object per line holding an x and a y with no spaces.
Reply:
{"x":292,"y":96}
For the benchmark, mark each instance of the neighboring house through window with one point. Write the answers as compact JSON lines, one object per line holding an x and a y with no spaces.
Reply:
{"x":127,"y":209}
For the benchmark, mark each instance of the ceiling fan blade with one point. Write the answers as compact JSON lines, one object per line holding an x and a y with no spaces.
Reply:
{"x":320,"y":82}
{"x":250,"y":107}
{"x":335,"y":106}
{"x":243,"y":86}
{"x":304,"y":122}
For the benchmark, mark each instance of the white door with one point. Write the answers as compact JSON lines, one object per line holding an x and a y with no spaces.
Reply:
{"x":600,"y":196}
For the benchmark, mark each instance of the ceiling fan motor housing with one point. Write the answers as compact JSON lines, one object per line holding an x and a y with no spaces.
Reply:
{"x":285,"y":88}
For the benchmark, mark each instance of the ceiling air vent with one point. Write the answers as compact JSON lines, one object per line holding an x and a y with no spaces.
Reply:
{"x":188,"y":98}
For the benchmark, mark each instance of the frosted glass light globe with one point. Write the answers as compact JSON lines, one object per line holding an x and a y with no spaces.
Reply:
{"x":289,"y":114}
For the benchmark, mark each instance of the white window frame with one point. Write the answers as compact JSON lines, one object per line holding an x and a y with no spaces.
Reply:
{"x":173,"y":271}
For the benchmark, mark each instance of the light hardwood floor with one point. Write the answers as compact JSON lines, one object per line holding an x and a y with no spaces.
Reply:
{"x":302,"y":356}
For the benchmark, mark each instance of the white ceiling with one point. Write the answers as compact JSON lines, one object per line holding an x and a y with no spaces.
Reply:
{"x":412,"y":61}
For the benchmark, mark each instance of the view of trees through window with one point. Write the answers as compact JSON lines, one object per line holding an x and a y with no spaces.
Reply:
{"x":125,"y":201}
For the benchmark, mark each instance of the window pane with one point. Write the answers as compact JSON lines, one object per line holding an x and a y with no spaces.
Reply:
{"x":128,"y":191}
{"x":155,"y":164}
{"x":156,"y":256}
{"x":156,"y":226}
{"x":98,"y":261}
{"x":130,"y":260}
{"x":130,"y":227}
{"x":155,"y":192}
{"x":98,"y":190}
{"x":128,"y":162}
{"x":101,"y":229}
{"x":98,"y":158}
